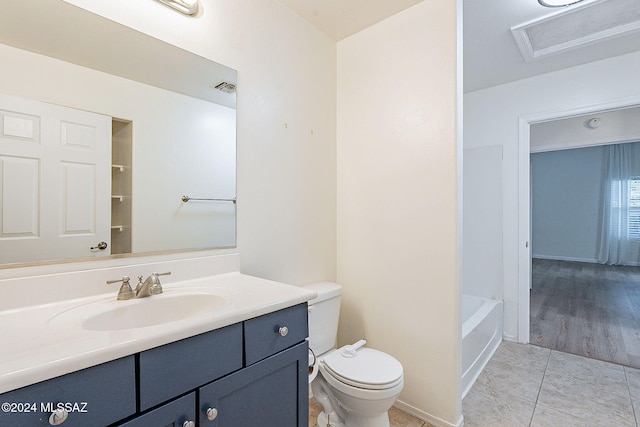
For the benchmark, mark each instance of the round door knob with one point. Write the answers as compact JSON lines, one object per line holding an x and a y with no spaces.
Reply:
{"x":283,"y":331}
{"x":189,"y":424}
{"x":212,"y":414}
{"x":58,"y":416}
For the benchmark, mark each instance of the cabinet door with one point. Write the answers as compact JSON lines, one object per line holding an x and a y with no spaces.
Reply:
{"x":272,"y":392}
{"x":181,"y":366}
{"x":93,"y":397}
{"x":173,"y":414}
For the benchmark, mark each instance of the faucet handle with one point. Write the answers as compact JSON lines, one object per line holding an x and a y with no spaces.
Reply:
{"x":123,"y":280}
{"x":168,"y":273}
{"x":125,"y":291}
{"x":156,"y":288}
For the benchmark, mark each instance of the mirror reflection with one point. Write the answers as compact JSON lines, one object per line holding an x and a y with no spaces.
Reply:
{"x":101,"y":138}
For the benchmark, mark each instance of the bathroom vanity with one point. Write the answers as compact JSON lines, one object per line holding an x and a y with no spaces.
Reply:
{"x":243,"y":364}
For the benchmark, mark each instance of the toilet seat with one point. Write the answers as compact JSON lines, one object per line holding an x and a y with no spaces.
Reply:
{"x":368,"y":369}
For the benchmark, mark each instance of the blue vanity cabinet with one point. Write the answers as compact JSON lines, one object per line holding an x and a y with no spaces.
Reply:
{"x":270,"y":333}
{"x":95,"y":397}
{"x":176,"y":413}
{"x":179,"y":367}
{"x":248,"y":374}
{"x":273,"y":387}
{"x":271,"y":392}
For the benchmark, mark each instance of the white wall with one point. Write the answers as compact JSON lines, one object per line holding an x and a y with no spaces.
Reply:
{"x":482,"y":222}
{"x":574,"y":132}
{"x":286,"y":124}
{"x":491,"y":116}
{"x":398,"y":211}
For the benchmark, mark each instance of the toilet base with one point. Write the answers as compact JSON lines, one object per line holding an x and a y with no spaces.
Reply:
{"x":324,"y":421}
{"x":381,"y":420}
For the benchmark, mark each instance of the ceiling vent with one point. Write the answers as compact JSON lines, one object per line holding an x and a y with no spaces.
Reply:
{"x":576,"y":27}
{"x":225,"y":87}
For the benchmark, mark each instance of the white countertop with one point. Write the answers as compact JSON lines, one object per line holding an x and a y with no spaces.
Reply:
{"x":37,"y":345}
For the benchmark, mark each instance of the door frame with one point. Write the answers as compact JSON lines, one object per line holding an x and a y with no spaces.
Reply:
{"x":524,"y":194}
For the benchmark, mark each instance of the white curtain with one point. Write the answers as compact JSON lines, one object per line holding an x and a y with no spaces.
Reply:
{"x":617,"y":246}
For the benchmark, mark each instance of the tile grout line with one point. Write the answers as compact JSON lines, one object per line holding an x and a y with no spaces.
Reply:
{"x":544,"y":374}
{"x":633,"y":408}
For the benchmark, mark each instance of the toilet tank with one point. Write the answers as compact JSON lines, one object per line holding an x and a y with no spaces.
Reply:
{"x":324,"y":312}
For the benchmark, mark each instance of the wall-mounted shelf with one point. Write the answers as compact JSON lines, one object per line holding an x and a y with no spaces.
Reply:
{"x":121,"y":186}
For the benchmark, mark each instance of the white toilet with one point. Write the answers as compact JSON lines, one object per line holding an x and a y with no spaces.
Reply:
{"x":355,"y":385}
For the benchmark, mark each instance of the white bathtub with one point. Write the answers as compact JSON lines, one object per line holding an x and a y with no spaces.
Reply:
{"x":481,"y":335}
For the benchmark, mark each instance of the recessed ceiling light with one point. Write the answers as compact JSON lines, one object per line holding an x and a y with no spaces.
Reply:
{"x":557,"y":3}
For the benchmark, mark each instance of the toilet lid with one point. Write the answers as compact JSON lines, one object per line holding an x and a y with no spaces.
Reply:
{"x":369,"y":368}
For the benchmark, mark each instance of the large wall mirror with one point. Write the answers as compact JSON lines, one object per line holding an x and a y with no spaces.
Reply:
{"x":103,"y":130}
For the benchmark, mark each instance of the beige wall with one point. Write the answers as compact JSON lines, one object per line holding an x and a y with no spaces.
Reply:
{"x":398,"y":207}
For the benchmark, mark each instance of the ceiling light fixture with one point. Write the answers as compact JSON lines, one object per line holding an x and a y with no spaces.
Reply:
{"x":188,"y":7}
{"x":594,"y":123}
{"x":558,"y":3}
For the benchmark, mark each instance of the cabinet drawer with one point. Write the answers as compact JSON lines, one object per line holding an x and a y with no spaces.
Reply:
{"x":272,"y":392}
{"x":263,"y":337}
{"x":176,"y":368}
{"x":95,"y":396}
{"x":174,"y":413}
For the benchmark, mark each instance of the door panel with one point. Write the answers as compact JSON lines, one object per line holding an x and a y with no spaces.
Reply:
{"x":78,"y":199}
{"x":20,"y":185}
{"x":56,"y":181}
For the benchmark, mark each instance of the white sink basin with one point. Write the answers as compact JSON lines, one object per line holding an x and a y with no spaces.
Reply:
{"x":171,"y":306}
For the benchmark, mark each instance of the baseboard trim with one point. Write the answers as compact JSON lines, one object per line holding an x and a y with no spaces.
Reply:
{"x":589,"y":260}
{"x":565,"y":258}
{"x":512,"y":338}
{"x":424,"y":416}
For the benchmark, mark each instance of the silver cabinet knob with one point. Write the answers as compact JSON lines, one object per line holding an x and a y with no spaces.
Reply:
{"x":58,"y":416}
{"x":283,"y":331}
{"x":189,"y":424}
{"x":212,"y":414}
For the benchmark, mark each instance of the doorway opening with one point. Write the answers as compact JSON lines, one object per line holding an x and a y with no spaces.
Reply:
{"x":572,"y":302}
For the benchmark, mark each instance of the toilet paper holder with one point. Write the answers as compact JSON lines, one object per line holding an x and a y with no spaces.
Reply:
{"x":312,"y":361}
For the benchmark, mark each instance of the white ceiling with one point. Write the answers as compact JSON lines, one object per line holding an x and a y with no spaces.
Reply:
{"x":342,"y":18}
{"x":491,"y":56}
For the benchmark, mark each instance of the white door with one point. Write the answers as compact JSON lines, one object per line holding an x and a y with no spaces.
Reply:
{"x":55,"y":181}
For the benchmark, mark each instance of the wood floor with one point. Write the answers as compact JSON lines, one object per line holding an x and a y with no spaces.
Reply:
{"x":592,"y":310}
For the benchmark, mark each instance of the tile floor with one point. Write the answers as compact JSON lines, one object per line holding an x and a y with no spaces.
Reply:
{"x":525,"y":385}
{"x":396,"y":418}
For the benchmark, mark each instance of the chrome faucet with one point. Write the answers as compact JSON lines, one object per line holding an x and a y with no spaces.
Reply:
{"x":125,"y":291}
{"x":150,"y":286}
